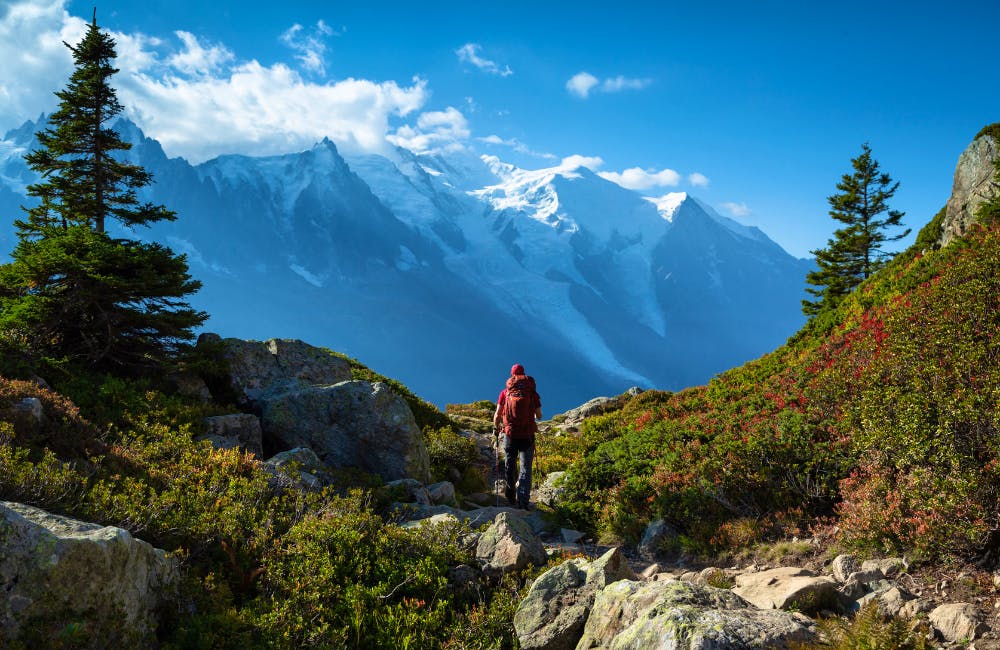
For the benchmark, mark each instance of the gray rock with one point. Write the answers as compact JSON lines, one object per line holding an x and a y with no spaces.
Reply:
{"x":32,"y":408}
{"x":958,"y":621}
{"x":971,"y":188}
{"x":442,"y":492}
{"x":409,"y":490}
{"x":256,"y":367}
{"x":463,"y":579}
{"x":554,"y":610}
{"x":890,"y":567}
{"x":786,"y":588}
{"x":445,"y":518}
{"x":843,"y":566}
{"x":350,"y":424}
{"x":54,"y":569}
{"x":655,"y":538}
{"x":475,"y":517}
{"x":190,"y":385}
{"x":234,"y":430}
{"x":594,"y":407}
{"x":299,"y":467}
{"x":509,"y":545}
{"x":551,"y":490}
{"x":570,"y":536}
{"x":552,"y":613}
{"x":671,"y":614}
{"x":913,"y":608}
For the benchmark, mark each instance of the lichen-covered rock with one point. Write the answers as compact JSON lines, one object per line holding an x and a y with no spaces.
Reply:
{"x":234,"y":430}
{"x":255,"y":367}
{"x":787,"y":587}
{"x":509,"y":544}
{"x":889,"y":567}
{"x":843,"y":566}
{"x":299,"y":467}
{"x":350,"y":424}
{"x":671,"y":614}
{"x":552,"y":614}
{"x":554,"y":611}
{"x":972,"y":186}
{"x":958,"y":621}
{"x":55,"y":571}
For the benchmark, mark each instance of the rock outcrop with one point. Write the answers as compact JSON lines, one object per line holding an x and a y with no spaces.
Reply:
{"x":554,"y":611}
{"x":673,"y":614}
{"x":509,"y":544}
{"x":350,"y":424}
{"x":56,"y":571}
{"x":973,"y":185}
{"x":234,"y":430}
{"x":256,"y":367}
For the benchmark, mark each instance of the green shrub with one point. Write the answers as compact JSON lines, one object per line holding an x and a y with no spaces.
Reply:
{"x":449,"y":450}
{"x":869,"y":629}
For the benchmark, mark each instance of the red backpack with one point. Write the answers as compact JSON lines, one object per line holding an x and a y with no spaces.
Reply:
{"x":519,"y":407}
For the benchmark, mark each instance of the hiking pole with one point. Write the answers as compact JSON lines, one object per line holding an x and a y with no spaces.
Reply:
{"x":496,"y":465}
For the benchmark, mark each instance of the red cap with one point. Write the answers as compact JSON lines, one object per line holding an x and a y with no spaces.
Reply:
{"x":517,"y":369}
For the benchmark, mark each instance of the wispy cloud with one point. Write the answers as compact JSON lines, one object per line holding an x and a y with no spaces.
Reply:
{"x":434,"y":131}
{"x":469,"y":53}
{"x":698,"y":180}
{"x":736,"y":209}
{"x":637,"y":178}
{"x":310,"y":45}
{"x":583,"y":83}
{"x":196,"y":59}
{"x":517,"y":146}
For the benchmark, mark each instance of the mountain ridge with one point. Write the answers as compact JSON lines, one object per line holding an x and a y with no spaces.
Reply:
{"x":398,"y":259}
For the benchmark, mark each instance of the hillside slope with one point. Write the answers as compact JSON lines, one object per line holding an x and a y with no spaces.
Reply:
{"x":883,"y":415}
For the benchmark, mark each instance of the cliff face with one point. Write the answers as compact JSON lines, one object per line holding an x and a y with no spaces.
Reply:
{"x":973,"y":185}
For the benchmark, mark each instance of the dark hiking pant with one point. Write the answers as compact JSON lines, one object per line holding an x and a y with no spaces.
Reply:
{"x":518,"y":484}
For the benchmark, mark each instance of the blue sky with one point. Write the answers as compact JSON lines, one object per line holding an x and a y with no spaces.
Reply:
{"x":756,"y":108}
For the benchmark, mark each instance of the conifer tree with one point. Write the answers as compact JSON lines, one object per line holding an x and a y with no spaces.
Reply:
{"x":855,"y":251}
{"x":74,"y":292}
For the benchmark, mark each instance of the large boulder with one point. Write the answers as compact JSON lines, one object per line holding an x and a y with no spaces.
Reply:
{"x":509,"y":544}
{"x":350,"y":424}
{"x":972,"y":186}
{"x":787,"y":588}
{"x":56,"y":571}
{"x":300,"y":468}
{"x":554,"y":611}
{"x":658,"y":535}
{"x":255,"y":367}
{"x":674,"y":614}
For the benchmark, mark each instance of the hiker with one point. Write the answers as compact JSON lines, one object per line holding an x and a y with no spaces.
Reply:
{"x":517,"y":409}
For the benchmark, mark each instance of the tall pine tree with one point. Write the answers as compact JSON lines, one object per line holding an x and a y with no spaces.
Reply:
{"x":855,"y":251}
{"x":74,"y":292}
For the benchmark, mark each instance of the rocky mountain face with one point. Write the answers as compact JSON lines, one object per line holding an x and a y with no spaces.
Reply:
{"x":972,"y":187}
{"x":444,"y":270}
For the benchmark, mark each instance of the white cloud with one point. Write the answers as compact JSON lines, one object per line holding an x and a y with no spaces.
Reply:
{"x":310,"y":45}
{"x":35,"y":61}
{"x":517,"y":146}
{"x":194,"y":59}
{"x":736,"y":209}
{"x":469,"y":53}
{"x":583,"y":83}
{"x":621,"y":83}
{"x":576,"y":161}
{"x":194,"y":97}
{"x":637,"y":178}
{"x":434,"y":131}
{"x":698,"y":180}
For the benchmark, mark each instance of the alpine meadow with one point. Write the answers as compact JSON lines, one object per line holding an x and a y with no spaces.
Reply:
{"x":704,"y":440}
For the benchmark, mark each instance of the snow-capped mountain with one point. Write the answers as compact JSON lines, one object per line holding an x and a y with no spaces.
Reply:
{"x":444,"y":270}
